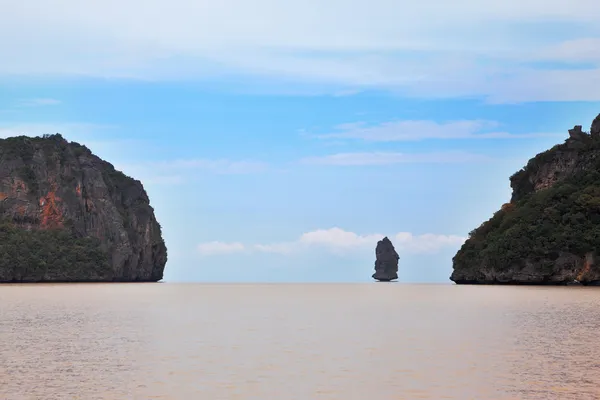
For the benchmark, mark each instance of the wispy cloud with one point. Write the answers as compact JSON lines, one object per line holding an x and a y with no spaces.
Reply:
{"x":217,"y":166}
{"x":388,"y":158}
{"x":546,"y":84}
{"x":346,"y":93}
{"x":573,"y":51}
{"x":170,"y":171}
{"x":117,"y":152}
{"x":221,"y":166}
{"x":420,"y":48}
{"x":180,"y":171}
{"x":163,"y":180}
{"x":337,"y":241}
{"x":415,"y":130}
{"x":38,"y":102}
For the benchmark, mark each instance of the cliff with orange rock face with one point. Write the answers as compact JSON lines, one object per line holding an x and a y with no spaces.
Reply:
{"x":68,"y":216}
{"x":549,"y":233}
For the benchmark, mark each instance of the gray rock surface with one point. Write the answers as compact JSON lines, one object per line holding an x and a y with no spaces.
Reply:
{"x":595,"y":128}
{"x":49,"y":183}
{"x":386,"y":262}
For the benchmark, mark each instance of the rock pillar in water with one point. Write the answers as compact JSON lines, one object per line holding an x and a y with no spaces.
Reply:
{"x":386,"y":262}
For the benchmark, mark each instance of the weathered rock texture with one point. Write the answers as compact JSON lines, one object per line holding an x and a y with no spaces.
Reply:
{"x":386,"y":262}
{"x":549,"y":233}
{"x":54,"y":193}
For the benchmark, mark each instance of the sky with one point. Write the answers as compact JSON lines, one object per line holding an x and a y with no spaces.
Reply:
{"x":279,"y":141}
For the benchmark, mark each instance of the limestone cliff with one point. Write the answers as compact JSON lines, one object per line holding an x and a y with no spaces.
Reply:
{"x":66,"y":215}
{"x":549,"y":233}
{"x":386,"y":261}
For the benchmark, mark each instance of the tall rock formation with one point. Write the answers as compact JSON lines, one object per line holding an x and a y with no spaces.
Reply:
{"x":66,"y":215}
{"x":549,"y":232}
{"x":386,"y":261}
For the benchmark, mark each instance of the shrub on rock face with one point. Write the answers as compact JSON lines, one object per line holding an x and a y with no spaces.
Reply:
{"x":50,"y":255}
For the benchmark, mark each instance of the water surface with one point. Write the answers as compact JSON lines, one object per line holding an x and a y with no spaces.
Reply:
{"x":298,"y":342}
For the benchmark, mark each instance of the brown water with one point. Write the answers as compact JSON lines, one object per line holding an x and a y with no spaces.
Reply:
{"x":287,"y":342}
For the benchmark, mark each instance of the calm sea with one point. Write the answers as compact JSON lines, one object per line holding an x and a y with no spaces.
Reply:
{"x":372,"y":341}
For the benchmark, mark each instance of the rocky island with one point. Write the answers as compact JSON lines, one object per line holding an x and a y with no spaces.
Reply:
{"x":386,"y":261}
{"x":549,"y":232}
{"x":68,"y":216}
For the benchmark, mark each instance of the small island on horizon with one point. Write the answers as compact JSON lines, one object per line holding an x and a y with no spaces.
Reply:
{"x":549,"y":232}
{"x":386,"y":261}
{"x":68,"y":216}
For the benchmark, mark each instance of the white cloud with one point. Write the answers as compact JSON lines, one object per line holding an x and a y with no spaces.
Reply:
{"x":158,"y":27}
{"x":339,"y":241}
{"x":427,"y":48}
{"x":415,"y":130}
{"x":388,"y":158}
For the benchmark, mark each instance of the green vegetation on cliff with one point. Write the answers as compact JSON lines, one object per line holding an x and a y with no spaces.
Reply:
{"x":564,"y":217}
{"x":56,"y":254}
{"x":554,"y":213}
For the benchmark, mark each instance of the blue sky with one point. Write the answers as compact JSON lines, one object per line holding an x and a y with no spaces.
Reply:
{"x":278,"y":141}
